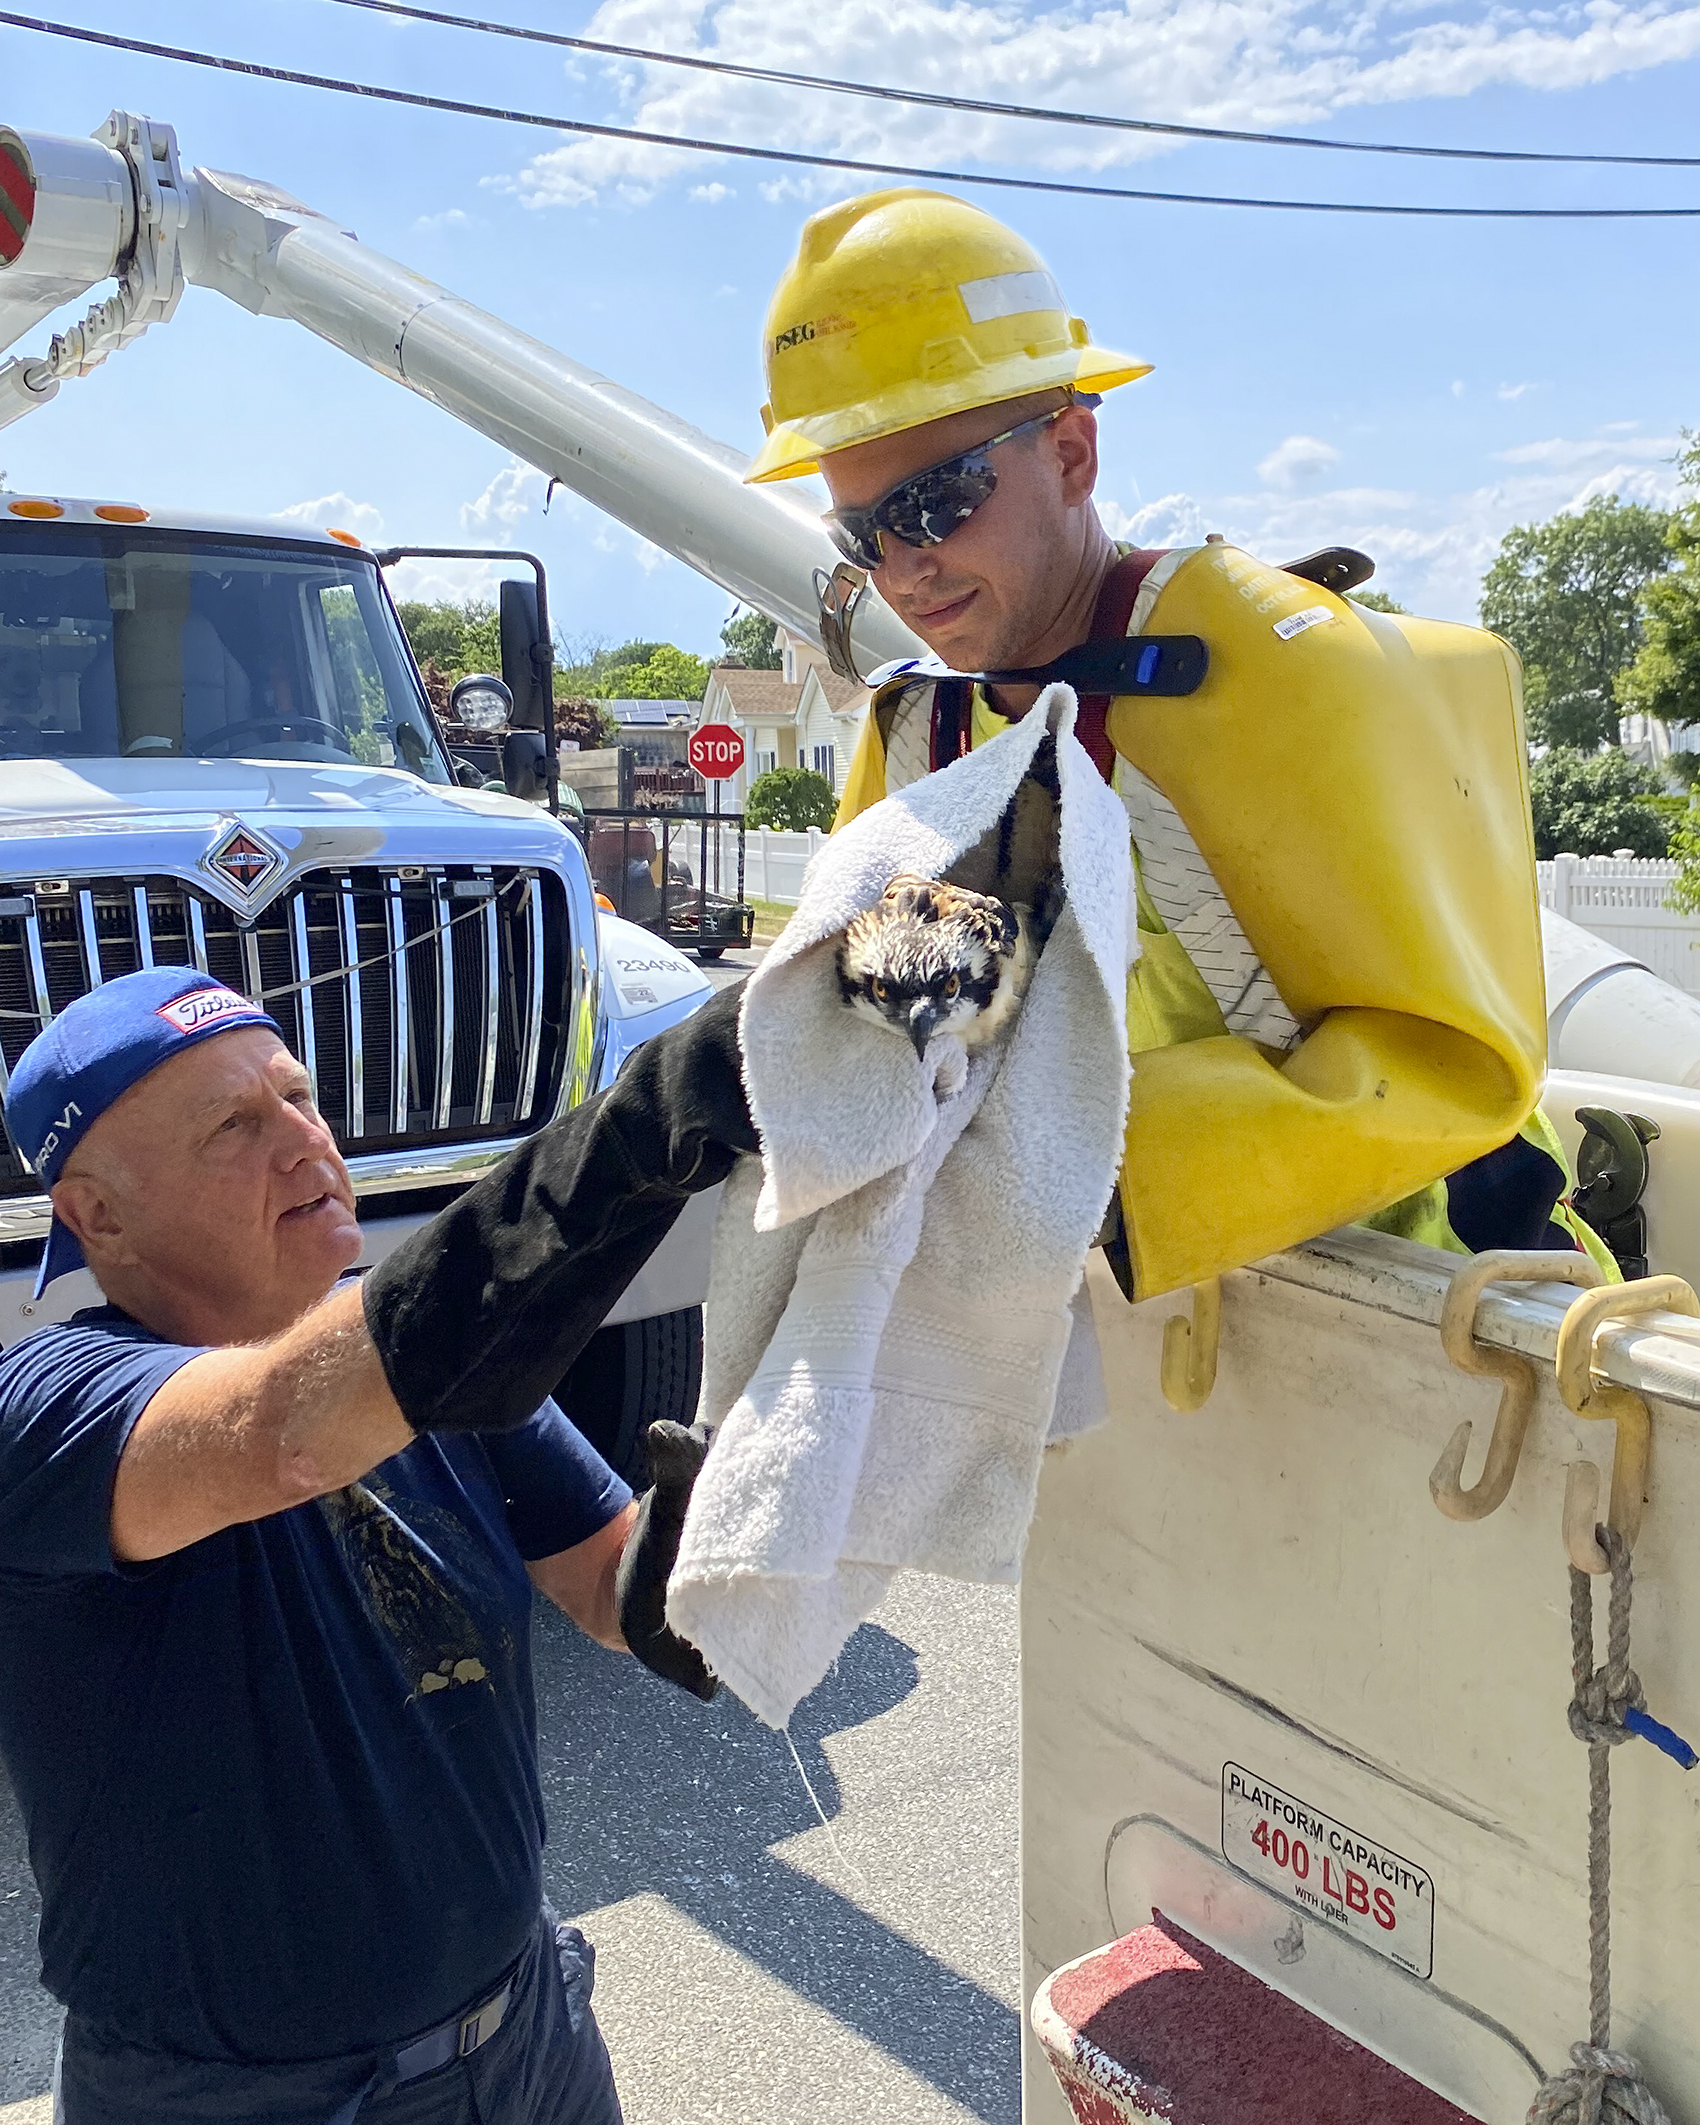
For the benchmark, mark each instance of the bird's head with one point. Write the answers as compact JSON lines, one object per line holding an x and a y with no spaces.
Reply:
{"x":927,"y":958}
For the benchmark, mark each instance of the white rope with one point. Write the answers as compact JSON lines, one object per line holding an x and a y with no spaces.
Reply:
{"x":1602,"y":2086}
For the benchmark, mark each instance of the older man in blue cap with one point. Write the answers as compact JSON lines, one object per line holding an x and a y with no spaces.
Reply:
{"x":267,"y":1549}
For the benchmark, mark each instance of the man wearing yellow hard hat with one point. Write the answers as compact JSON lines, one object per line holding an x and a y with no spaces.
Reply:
{"x":1339,"y":997}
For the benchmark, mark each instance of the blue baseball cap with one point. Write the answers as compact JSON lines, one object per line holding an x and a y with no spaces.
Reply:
{"x":93,"y":1052}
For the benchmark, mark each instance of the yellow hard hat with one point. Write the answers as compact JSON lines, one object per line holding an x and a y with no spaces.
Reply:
{"x":905,"y":306}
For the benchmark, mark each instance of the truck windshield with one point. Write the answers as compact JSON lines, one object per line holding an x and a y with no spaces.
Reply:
{"x":136,"y":644}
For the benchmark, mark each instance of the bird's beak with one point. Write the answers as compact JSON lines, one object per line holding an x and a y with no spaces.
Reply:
{"x":923,"y":1016}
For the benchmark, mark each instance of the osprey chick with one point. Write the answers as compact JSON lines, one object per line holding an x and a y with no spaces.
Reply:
{"x":929,"y":957}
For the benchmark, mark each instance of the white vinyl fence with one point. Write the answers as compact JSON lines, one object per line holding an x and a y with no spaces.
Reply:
{"x":774,"y":863}
{"x":1622,"y":899}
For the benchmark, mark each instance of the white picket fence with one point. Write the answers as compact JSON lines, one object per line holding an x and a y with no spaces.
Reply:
{"x":1619,"y":898}
{"x":1622,"y":899}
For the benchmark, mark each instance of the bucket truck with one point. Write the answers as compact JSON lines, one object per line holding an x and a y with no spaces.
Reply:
{"x":1293,"y":1734}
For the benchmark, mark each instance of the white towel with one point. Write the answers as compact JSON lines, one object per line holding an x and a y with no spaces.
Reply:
{"x":893,"y":1283}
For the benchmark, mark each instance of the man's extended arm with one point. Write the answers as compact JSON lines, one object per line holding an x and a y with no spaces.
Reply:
{"x":237,"y":1434}
{"x":467,"y":1326}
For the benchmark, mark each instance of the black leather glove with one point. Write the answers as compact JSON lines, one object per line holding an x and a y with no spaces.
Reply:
{"x":646,"y":1563}
{"x":478,"y":1315}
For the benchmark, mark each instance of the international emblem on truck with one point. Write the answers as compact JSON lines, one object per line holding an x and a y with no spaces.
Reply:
{"x":245,"y":859}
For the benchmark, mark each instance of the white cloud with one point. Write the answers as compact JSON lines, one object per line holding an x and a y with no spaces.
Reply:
{"x":712,"y":194}
{"x":1561,"y":454}
{"x":1457,"y":387}
{"x":1171,"y":520}
{"x":1513,"y":391}
{"x":362,"y":518}
{"x":489,"y":519}
{"x":1656,"y":485}
{"x":1430,"y":550}
{"x":449,"y":218}
{"x":498,"y":509}
{"x":1297,"y":461}
{"x":1267,"y":64}
{"x":612,"y":538}
{"x":444,"y":582}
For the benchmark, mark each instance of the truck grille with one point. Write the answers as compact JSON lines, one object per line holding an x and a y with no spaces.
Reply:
{"x":438,"y":1003}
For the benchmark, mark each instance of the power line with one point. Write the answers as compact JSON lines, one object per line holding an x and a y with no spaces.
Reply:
{"x":974,"y":105}
{"x":797,"y":158}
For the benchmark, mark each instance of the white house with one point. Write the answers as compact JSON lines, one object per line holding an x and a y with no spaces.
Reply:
{"x":803,"y":715}
{"x":1646,"y":738}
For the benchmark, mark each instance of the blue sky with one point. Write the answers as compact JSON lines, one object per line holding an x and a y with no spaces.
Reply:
{"x":1411,"y":387}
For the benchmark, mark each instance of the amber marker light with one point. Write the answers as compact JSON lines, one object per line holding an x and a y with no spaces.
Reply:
{"x":602,"y":901}
{"x":120,"y":513}
{"x":343,"y":538}
{"x":36,"y":509}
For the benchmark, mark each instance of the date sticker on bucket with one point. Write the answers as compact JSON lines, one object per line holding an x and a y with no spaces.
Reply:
{"x":1384,"y":1901}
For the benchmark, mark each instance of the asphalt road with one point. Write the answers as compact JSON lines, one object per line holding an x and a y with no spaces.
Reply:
{"x":755,"y":1968}
{"x":734,"y":966}
{"x":748,"y":1972}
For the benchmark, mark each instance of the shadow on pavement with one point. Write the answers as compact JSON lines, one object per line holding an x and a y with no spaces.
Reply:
{"x":29,"y":2020}
{"x":649,"y":1791}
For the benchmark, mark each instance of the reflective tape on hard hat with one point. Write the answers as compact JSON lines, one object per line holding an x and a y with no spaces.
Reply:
{"x":1009,"y":295}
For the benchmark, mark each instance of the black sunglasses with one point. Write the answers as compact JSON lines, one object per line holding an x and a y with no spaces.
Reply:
{"x":928,"y":506}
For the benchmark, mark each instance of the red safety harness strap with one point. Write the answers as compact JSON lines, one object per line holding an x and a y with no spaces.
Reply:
{"x":951,"y":736}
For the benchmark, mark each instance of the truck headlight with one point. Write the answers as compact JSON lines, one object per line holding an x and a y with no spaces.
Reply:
{"x":481,"y":703}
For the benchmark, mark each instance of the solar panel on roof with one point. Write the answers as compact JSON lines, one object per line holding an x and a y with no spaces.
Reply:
{"x":650,"y":711}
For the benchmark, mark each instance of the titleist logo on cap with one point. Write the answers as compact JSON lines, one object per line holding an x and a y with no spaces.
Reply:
{"x":201,"y":1006}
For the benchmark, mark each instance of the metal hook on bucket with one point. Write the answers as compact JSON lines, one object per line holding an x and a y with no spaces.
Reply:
{"x":1187,"y":1373}
{"x":1518,"y":1375}
{"x":1589,"y":1397}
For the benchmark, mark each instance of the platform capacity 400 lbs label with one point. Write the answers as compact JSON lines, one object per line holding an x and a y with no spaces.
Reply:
{"x":1329,"y":1871}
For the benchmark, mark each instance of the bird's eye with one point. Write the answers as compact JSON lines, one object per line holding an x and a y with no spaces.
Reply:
{"x":881,"y":992}
{"x":952,"y":986}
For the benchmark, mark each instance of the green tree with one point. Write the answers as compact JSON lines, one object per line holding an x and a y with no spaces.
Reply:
{"x":481,"y":643}
{"x":669,"y":675}
{"x":1664,"y":680}
{"x":1377,"y":601}
{"x":1589,"y":804}
{"x":1684,"y":894}
{"x":583,"y":665}
{"x":631,"y":671}
{"x":753,"y":639}
{"x":457,"y":638}
{"x":792,"y":798}
{"x":1566,"y":595}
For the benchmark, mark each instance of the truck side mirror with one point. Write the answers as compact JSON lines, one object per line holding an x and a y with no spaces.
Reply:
{"x":522,"y":646}
{"x":522,"y":765}
{"x":468,"y":776}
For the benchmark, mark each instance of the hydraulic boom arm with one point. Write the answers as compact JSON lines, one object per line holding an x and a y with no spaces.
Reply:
{"x":121,"y":204}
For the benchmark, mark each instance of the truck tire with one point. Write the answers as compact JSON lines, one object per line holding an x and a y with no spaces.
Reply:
{"x":627,"y":1378}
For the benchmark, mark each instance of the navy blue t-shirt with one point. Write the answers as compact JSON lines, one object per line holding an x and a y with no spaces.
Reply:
{"x":280,"y":1787}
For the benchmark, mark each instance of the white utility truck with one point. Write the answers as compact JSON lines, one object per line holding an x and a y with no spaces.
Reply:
{"x":1246,"y":1626}
{"x":215,"y":750}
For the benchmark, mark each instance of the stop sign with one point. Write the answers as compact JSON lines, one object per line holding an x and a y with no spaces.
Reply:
{"x":716,"y":751}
